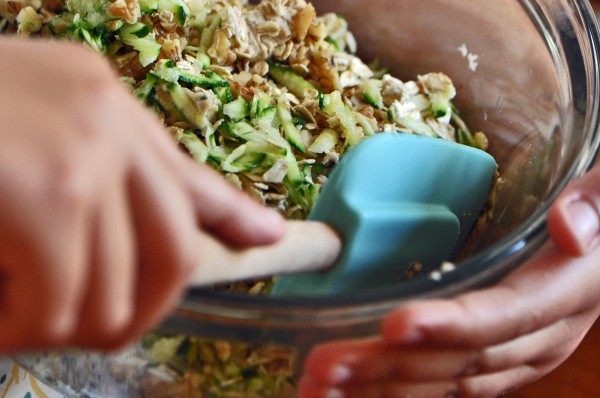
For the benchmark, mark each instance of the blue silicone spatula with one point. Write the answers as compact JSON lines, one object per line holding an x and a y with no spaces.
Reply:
{"x":394,"y":199}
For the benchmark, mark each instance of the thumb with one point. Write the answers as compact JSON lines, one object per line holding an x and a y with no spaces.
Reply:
{"x":229,"y":212}
{"x":574,"y":218}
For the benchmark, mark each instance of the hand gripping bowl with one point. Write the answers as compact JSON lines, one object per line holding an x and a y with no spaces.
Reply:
{"x":527,"y":75}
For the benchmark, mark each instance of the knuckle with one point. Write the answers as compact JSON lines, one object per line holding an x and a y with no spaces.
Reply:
{"x":92,"y":69}
{"x":116,"y":320}
{"x":88,"y":74}
{"x":557,"y":355}
{"x":51,"y":329}
{"x":474,"y":388}
{"x":176,"y":273}
{"x":72,"y":186}
{"x":104,"y":333}
{"x":58,"y":331}
{"x":462,"y":389}
{"x":453,"y":390}
{"x":474,"y":365}
{"x":184,"y":258}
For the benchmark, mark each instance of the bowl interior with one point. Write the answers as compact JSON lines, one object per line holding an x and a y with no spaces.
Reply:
{"x":525,"y":74}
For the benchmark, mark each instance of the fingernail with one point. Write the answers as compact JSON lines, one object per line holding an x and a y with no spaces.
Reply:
{"x":272,"y":217}
{"x":341,"y":374}
{"x":335,"y":393}
{"x":583,"y":222}
{"x":413,"y":336}
{"x":397,"y":329}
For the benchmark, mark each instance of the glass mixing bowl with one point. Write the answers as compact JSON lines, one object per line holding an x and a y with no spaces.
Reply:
{"x":526,"y":74}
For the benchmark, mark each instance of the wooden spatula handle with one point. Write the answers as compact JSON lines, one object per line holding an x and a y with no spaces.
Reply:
{"x":306,"y":246}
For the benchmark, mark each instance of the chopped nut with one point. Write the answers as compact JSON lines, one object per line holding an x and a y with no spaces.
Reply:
{"x":223,"y":350}
{"x":29,"y":21}
{"x":302,"y":22}
{"x":220,"y":49}
{"x":128,"y":10}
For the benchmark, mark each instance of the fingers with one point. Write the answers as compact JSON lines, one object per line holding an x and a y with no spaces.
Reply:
{"x":41,"y":277}
{"x":482,"y":386}
{"x":309,"y":389}
{"x":146,"y":247}
{"x":373,"y":361}
{"x":498,"y":383}
{"x":228,"y":212}
{"x":141,"y":235}
{"x":371,"y":367}
{"x":574,"y":219}
{"x":108,"y":304}
{"x":166,"y":240}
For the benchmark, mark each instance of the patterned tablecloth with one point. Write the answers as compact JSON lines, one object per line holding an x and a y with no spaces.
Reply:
{"x":15,"y":382}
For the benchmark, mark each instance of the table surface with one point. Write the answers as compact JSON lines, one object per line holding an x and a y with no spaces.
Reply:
{"x":578,"y":377}
{"x":17,"y":383}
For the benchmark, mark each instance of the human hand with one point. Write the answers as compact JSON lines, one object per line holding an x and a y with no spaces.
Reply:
{"x":100,"y":213}
{"x":482,"y":343}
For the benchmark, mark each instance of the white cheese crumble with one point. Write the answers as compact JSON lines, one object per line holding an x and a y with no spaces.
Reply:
{"x":473,"y":59}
